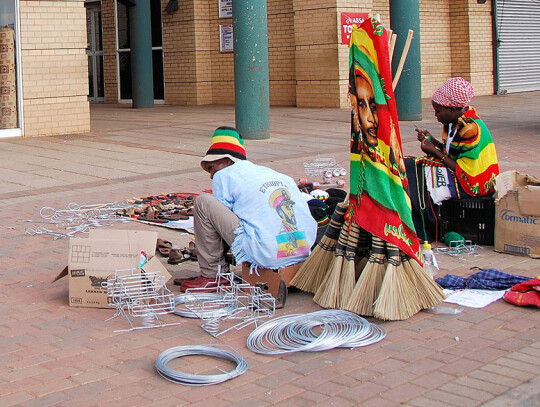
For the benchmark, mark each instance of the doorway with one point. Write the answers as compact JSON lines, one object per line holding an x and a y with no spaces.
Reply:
{"x":94,"y":51}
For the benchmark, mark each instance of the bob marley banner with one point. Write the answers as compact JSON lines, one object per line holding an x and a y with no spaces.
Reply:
{"x":379,"y":201}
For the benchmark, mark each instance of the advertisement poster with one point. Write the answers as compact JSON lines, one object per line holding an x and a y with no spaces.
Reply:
{"x":225,"y":8}
{"x":226,"y":37}
{"x":347,"y":21}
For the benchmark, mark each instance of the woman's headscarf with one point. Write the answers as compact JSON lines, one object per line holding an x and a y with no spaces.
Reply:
{"x":455,"y":92}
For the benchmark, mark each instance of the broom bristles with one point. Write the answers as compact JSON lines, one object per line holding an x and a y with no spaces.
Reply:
{"x":347,"y":282}
{"x":361,"y":262}
{"x":395,"y":301}
{"x":327,"y":296}
{"x":398,"y":298}
{"x":429,"y":292}
{"x":367,"y":288}
{"x":310,"y":274}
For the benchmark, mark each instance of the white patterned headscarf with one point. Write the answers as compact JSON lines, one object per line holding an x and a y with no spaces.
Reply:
{"x":455,"y":92}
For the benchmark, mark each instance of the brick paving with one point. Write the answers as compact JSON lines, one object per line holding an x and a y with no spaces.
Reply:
{"x":56,"y":355}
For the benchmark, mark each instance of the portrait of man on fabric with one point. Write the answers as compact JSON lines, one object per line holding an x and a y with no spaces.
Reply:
{"x":291,"y":242}
{"x":379,"y":201}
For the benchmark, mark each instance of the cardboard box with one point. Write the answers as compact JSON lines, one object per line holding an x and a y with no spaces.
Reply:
{"x":93,"y":260}
{"x":517,"y":214}
{"x":268,"y":279}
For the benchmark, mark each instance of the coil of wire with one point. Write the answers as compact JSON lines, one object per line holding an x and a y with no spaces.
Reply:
{"x":295,"y":333}
{"x":189,"y":379}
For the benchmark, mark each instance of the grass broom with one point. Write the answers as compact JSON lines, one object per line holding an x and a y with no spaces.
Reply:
{"x":369,"y":283}
{"x":398,"y":298}
{"x":348,"y":272}
{"x":327,"y":296}
{"x":429,"y":292}
{"x":311,"y":273}
{"x":362,"y":252}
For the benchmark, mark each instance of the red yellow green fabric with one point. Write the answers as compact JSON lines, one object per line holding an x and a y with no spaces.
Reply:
{"x":379,"y":202}
{"x":473,"y":150}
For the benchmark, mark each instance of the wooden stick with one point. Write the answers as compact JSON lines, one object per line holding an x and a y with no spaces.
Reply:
{"x":403,"y":58}
{"x":392,"y":46}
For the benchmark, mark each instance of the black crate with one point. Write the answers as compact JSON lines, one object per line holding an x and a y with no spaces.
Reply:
{"x":472,"y":218}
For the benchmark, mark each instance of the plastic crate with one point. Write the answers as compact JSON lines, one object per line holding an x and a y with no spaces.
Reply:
{"x":472,"y":218}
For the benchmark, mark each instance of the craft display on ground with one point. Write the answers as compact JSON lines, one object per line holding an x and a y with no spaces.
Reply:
{"x":369,"y":262}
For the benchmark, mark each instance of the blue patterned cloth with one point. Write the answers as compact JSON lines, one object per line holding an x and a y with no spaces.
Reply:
{"x":490,"y":279}
{"x":452,"y":282}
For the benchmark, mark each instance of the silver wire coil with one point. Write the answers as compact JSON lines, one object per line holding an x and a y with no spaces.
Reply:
{"x":294,"y":333}
{"x":176,"y":376}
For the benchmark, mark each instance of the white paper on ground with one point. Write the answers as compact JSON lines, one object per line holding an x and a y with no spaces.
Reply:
{"x":472,"y":297}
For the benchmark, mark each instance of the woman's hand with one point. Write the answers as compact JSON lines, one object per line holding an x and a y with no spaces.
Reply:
{"x":428,"y":147}
{"x":422,"y":134}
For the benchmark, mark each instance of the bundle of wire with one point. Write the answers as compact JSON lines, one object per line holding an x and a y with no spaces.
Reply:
{"x":295,"y":333}
{"x":202,"y":305}
{"x":176,"y":376}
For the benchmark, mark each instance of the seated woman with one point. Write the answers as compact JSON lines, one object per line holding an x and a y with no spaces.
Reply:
{"x":463,"y":165}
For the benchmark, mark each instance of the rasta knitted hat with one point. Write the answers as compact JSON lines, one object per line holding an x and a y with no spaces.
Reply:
{"x":226,"y":143}
{"x":455,"y":92}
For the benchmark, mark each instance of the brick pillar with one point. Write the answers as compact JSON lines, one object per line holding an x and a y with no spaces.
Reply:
{"x":321,"y":60}
{"x":110,"y":66}
{"x":471,"y":48}
{"x":187,"y":39}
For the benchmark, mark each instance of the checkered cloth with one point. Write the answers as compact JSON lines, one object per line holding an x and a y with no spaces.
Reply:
{"x":455,"y":92}
{"x":490,"y":279}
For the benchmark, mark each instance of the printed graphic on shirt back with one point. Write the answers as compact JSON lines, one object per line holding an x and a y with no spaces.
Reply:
{"x":291,"y":242}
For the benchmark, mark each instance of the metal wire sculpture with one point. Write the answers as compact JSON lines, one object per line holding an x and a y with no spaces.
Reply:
{"x":235,"y":305}
{"x":139,"y":295}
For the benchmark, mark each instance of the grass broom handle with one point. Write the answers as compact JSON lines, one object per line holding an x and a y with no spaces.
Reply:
{"x":403,"y":58}
{"x":392,"y":46}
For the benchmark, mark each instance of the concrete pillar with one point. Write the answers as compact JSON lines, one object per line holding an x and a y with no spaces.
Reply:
{"x":252,"y":101}
{"x":405,"y":15}
{"x":142,"y":77}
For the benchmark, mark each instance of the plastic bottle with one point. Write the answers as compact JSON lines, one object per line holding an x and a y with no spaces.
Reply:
{"x":430,"y":261}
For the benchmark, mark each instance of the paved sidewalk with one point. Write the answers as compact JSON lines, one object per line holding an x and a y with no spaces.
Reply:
{"x":56,"y":355}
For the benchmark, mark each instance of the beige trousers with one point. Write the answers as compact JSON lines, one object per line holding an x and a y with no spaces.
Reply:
{"x":214,"y":226}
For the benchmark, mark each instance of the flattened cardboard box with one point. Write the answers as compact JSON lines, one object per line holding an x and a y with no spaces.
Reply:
{"x":517,"y":214}
{"x":94,"y":260}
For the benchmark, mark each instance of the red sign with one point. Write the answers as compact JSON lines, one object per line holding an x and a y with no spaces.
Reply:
{"x":347,"y":21}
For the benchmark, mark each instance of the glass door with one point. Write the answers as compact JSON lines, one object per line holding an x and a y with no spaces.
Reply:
{"x":10,"y":89}
{"x":94,"y":50}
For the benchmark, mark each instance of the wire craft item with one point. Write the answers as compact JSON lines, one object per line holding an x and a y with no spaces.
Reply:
{"x":194,"y":298}
{"x":295,"y":333}
{"x":179,"y":377}
{"x":76,"y":219}
{"x":236,"y":304}
{"x":324,"y":167}
{"x":460,"y":248}
{"x":140,"y":296}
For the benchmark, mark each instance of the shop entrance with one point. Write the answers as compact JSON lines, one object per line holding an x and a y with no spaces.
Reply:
{"x":94,"y":50}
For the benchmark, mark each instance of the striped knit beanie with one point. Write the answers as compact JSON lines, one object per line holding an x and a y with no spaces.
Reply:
{"x":226,"y":143}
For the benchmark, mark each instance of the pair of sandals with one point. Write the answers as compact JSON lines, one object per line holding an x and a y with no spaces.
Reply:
{"x":157,"y":217}
{"x":175,"y":254}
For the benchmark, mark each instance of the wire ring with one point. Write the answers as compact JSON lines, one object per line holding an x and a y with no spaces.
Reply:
{"x":293,"y":333}
{"x":176,"y":376}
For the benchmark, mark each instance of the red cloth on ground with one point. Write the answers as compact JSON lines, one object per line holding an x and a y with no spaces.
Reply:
{"x":526,"y":293}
